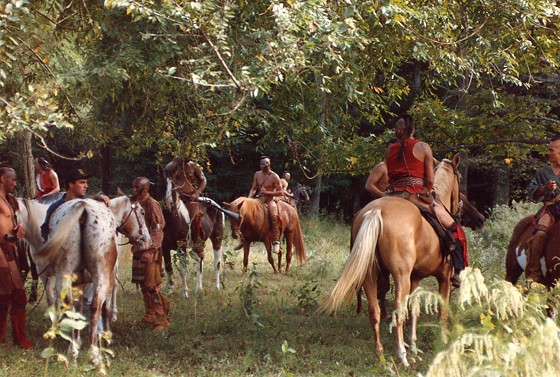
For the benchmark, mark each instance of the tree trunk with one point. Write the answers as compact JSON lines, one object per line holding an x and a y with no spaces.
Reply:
{"x":313,"y":208}
{"x":106,"y":157}
{"x":502,"y":185}
{"x":27,"y":174}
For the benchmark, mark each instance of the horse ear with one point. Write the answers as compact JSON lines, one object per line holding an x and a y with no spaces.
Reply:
{"x":436,"y":162}
{"x":120,"y":192}
{"x":226,"y":204}
{"x":457,"y":159}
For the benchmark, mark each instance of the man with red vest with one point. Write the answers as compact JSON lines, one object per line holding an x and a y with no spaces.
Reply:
{"x":45,"y":178}
{"x":410,"y":168}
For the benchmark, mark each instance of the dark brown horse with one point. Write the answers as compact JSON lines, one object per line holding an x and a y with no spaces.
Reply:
{"x":391,"y":233}
{"x":177,"y":234}
{"x":299,"y":196}
{"x":516,"y":256}
{"x":254,"y":226}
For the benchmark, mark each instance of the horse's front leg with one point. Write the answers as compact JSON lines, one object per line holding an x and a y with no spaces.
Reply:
{"x":182,"y":264}
{"x":268,"y":246}
{"x":199,"y":265}
{"x":217,"y":267}
{"x":246,"y":248}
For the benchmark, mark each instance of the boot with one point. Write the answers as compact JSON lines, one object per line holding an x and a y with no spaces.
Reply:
{"x":33,"y":294}
{"x":17,"y":316}
{"x":275,"y":234}
{"x":535,"y":251}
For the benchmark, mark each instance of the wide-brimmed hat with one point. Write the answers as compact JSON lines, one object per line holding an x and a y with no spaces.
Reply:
{"x":74,"y":175}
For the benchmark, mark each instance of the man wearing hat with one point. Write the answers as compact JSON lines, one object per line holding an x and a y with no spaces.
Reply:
{"x":76,"y":188}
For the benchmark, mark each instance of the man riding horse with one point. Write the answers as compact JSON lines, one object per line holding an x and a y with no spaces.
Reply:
{"x":544,"y":188}
{"x":191,"y":184}
{"x":410,"y":168}
{"x":266,"y":186}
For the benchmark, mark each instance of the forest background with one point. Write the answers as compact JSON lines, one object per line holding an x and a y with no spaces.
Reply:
{"x":120,"y":87}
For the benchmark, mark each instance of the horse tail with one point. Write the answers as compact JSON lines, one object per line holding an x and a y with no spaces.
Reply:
{"x":298,"y":242}
{"x":64,"y":228}
{"x":360,"y":262}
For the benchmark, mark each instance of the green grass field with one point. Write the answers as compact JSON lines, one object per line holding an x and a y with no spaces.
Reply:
{"x":262,"y":324}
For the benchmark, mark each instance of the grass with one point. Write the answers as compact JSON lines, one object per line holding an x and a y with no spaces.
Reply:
{"x":261,"y":324}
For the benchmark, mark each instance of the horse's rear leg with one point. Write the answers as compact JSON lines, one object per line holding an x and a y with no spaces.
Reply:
{"x":289,"y":237}
{"x":413,"y":319}
{"x":370,"y":288}
{"x":402,"y":288}
{"x":384,"y":284}
{"x":168,"y":263}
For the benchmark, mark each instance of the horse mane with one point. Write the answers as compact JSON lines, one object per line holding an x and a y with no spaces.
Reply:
{"x":442,"y":185}
{"x":251,"y":207}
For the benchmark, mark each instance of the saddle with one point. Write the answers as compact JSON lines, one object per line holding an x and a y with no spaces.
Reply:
{"x":448,"y":243}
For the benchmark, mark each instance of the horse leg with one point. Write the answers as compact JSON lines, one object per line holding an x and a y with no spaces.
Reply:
{"x":413,"y":319}
{"x":217,"y":267}
{"x":289,"y":237}
{"x":246,"y":247}
{"x":198,"y":268}
{"x":167,"y":261}
{"x":183,"y":271}
{"x":402,"y":288}
{"x":268,"y":246}
{"x":370,"y":288}
{"x":384,"y":284}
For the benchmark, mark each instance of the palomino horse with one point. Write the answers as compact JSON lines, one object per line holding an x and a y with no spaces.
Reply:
{"x":390,"y":233}
{"x":468,"y":216}
{"x":254,"y":226}
{"x":177,"y":236}
{"x":83,"y":242}
{"x":300,"y":196}
{"x":516,"y":256}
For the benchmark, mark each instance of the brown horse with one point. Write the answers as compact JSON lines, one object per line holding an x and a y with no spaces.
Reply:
{"x":516,"y":256}
{"x":254,"y":226}
{"x":391,"y":233}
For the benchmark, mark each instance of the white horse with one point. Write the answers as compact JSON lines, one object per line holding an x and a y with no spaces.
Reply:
{"x":83,"y":242}
{"x":177,"y":235}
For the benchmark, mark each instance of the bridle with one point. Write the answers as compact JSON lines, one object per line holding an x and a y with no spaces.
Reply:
{"x":133,"y":209}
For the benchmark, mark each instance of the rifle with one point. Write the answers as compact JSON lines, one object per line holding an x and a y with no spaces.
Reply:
{"x":210,"y":203}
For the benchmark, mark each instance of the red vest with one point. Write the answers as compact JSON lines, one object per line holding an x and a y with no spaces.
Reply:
{"x":402,"y":164}
{"x":47,"y":184}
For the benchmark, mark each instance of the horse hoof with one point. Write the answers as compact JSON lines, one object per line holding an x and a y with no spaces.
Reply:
{"x":186,"y":294}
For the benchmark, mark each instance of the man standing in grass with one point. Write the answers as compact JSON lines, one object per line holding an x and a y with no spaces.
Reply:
{"x":146,"y":264}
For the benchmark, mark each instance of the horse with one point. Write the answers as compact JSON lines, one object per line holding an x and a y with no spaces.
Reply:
{"x":299,"y":196}
{"x":516,"y":255}
{"x":177,"y":234}
{"x":83,"y":242}
{"x":468,"y":216}
{"x":390,"y":233}
{"x":254,"y":226}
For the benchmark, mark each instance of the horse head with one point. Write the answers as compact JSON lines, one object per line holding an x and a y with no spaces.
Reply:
{"x":469,"y":215}
{"x":300,"y":193}
{"x":131,"y":221}
{"x":235,"y":207}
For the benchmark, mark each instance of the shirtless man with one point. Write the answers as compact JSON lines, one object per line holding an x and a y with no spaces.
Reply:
{"x":266,"y":185}
{"x":377,"y":181}
{"x":12,"y":293}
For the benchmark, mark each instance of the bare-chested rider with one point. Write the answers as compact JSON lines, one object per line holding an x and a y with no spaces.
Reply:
{"x":12,"y":292}
{"x":266,"y":185}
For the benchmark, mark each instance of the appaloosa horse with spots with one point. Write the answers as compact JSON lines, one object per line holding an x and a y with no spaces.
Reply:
{"x":83,"y":243}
